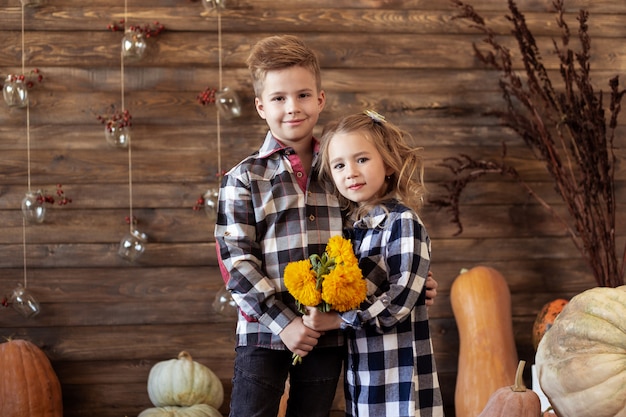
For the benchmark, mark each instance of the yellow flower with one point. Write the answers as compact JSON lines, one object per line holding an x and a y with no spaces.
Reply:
{"x":340,"y":250}
{"x":301,"y":282}
{"x":344,"y":288}
{"x":330,"y":281}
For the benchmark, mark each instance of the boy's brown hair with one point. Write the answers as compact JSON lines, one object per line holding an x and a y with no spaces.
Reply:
{"x":280,"y":52}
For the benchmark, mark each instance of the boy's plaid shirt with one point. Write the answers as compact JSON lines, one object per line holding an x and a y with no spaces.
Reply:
{"x":266,"y":220}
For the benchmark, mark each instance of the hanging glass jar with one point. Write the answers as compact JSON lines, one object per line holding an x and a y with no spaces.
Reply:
{"x":117,"y":136}
{"x":214,"y":4}
{"x":210,"y":203}
{"x":33,"y":207}
{"x":132,"y":245}
{"x":15,"y":92}
{"x":228,"y":103}
{"x":224,"y":305}
{"x":134,"y":45}
{"x":23,"y":301}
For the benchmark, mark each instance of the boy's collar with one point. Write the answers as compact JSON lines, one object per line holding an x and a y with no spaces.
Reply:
{"x":272,"y":145}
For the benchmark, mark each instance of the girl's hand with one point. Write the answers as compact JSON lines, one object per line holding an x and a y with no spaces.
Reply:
{"x":321,"y":322}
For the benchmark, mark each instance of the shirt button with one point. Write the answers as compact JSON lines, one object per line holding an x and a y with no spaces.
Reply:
{"x":312,"y":217}
{"x":299,"y":174}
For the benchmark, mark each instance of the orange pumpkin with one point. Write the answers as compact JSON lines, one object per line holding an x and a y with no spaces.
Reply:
{"x":545,"y":319}
{"x":28,"y":385}
{"x":514,"y":400}
{"x":481,"y":303}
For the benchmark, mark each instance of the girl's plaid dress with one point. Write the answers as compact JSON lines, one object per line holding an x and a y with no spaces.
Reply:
{"x":390,"y":369}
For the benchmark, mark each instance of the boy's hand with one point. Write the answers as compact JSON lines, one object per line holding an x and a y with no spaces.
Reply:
{"x":299,"y":338}
{"x":431,"y":289}
{"x":321,"y":322}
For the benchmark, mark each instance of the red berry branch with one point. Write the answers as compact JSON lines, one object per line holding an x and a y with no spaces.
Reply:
{"x":207,"y":96}
{"x":201,"y":201}
{"x":61,"y":199}
{"x":130,"y":220}
{"x":116,"y":119}
{"x":149,"y":29}
{"x":29,"y":79}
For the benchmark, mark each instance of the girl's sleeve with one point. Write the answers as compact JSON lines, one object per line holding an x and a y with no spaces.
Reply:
{"x":406,"y":254}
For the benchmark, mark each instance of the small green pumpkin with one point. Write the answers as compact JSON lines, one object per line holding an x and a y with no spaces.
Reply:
{"x":183,"y":382}
{"x":198,"y":410}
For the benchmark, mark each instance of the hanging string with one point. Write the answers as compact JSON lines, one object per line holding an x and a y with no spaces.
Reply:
{"x":29,"y":188}
{"x":27,"y":151}
{"x":219,"y":60}
{"x":28,"y":144}
{"x":219,"y":46}
{"x":27,"y":105}
{"x":130,"y":153}
{"x":24,"y":250}
{"x":23,"y":57}
{"x":122,"y":58}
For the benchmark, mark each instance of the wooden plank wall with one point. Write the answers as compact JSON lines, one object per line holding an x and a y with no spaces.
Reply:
{"x":104,"y":321}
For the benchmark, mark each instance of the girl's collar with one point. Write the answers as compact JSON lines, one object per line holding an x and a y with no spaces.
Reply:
{"x":376,"y":217}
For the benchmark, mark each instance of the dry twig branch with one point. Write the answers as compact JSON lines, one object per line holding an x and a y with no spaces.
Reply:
{"x":565,"y":128}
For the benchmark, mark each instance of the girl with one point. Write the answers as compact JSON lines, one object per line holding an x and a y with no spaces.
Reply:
{"x":390,"y":369}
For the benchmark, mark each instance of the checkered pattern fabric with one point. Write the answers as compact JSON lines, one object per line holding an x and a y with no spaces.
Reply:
{"x":390,"y":370}
{"x":266,"y":220}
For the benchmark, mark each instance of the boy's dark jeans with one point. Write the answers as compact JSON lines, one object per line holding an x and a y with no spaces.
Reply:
{"x":259,"y":382}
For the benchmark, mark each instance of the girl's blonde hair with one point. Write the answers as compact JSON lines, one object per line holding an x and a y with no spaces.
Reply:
{"x":406,"y":183}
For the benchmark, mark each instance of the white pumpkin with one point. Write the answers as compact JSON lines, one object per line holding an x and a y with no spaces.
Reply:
{"x":581,"y":360}
{"x":198,"y":410}
{"x":183,"y":382}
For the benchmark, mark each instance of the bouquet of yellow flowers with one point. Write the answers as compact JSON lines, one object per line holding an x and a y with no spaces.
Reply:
{"x":331,"y":281}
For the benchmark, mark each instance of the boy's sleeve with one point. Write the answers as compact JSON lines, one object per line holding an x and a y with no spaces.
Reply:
{"x":241,"y":256}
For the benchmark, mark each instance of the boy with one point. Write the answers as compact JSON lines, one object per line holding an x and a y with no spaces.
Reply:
{"x":272,"y":210}
{"x":271,"y":213}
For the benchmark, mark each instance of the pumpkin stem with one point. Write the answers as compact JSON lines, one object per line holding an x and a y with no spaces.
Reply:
{"x":519,"y":380}
{"x":463,"y":270}
{"x":184,"y":355}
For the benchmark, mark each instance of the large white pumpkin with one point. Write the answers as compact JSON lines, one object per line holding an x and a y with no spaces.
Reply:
{"x":581,"y":360}
{"x":183,"y":382}
{"x":198,"y":410}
